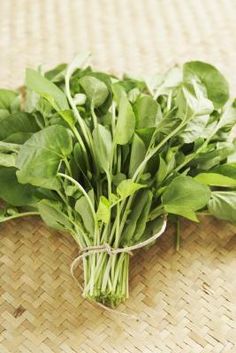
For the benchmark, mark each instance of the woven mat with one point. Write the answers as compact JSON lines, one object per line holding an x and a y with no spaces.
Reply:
{"x":186,"y":300}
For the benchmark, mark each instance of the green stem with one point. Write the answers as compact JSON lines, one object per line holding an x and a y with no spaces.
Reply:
{"x":117,"y":236}
{"x":80,"y":187}
{"x":77,"y":135}
{"x":64,"y":199}
{"x":109,"y":184}
{"x":68,"y":166}
{"x":105,"y":284}
{"x":194,"y":155}
{"x":95,"y":122}
{"x":140,"y":168}
{"x":18,"y":215}
{"x":156,"y":212}
{"x":74,"y":108}
{"x":142,"y":165}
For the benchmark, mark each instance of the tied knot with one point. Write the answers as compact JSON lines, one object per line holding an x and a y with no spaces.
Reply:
{"x":102,"y":249}
{"x":108,"y":249}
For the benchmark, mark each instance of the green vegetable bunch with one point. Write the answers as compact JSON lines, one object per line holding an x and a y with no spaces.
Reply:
{"x":107,"y":159}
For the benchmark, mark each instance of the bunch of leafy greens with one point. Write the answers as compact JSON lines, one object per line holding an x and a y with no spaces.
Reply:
{"x":106,"y":158}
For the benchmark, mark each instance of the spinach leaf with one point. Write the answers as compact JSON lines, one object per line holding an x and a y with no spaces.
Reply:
{"x":193,"y":101}
{"x":138,"y":151}
{"x":137,"y":221}
{"x":228,"y":118}
{"x":83,"y":209}
{"x":53,"y":215}
{"x":17,"y":123}
{"x":214,"y":154}
{"x":41,"y":85}
{"x":9,"y":101}
{"x":216,"y":85}
{"x":103,"y":212}
{"x":146,"y":111}
{"x":39,"y":158}
{"x":222,"y":205}
{"x":128,"y":187}
{"x":184,"y":195}
{"x":142,"y":221}
{"x":228,"y":170}
{"x":215,"y":179}
{"x":125,"y":122}
{"x":103,"y":146}
{"x":56,"y":74}
{"x":18,"y":137}
{"x":194,"y":129}
{"x":163,"y":84}
{"x":152,"y":228}
{"x":14,"y":193}
{"x":95,"y":89}
{"x":162,"y":170}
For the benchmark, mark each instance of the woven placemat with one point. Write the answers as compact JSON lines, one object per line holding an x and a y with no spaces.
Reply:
{"x":186,"y":300}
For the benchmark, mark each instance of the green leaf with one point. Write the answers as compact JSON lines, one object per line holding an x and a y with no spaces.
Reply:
{"x":141,"y":223}
{"x":192,"y":100}
{"x":19,"y":137}
{"x":216,"y":85}
{"x":133,"y":94}
{"x":103,"y":212}
{"x":39,"y":158}
{"x":4,"y":114}
{"x":212,"y":157}
{"x":84,"y":210}
{"x":194,"y":129}
{"x":138,"y":214}
{"x":117,"y":178}
{"x":222,"y":205}
{"x":228,"y":170}
{"x":103,"y":146}
{"x":162,"y":170}
{"x":184,"y":195}
{"x":138,"y":151}
{"x":215,"y":179}
{"x":146,"y":135}
{"x":128,"y":187}
{"x":14,"y":193}
{"x":68,"y":116}
{"x":182,"y":211}
{"x":146,"y":112}
{"x":8,"y":99}
{"x":165,"y":83}
{"x":228,"y":118}
{"x":41,"y":85}
{"x":16,"y":123}
{"x":56,"y":74}
{"x":53,"y":214}
{"x":95,"y":89}
{"x":125,"y":122}
{"x":117,"y":91}
{"x":79,"y":157}
{"x":153,"y":227}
